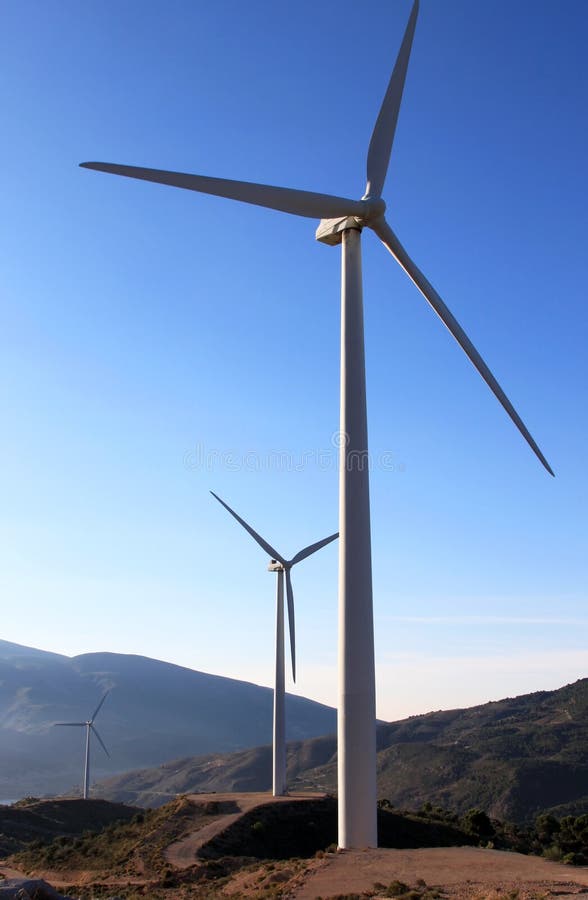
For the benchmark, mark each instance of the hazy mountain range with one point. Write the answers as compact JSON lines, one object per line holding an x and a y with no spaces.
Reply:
{"x":156,"y":712}
{"x":513,"y":758}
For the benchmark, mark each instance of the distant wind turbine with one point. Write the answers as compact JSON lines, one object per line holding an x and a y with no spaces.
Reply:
{"x":89,"y":726}
{"x":342,"y":222}
{"x":282,"y":567}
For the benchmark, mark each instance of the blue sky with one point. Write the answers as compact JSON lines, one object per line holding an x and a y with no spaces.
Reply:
{"x":157,"y":343}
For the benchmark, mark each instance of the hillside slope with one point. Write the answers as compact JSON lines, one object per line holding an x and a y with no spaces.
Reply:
{"x":156,"y":711}
{"x":514,"y":758}
{"x":44,"y":820}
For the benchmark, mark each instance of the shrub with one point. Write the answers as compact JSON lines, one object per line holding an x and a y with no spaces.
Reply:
{"x":477,"y":822}
{"x":25,"y":801}
{"x":546,"y":826}
{"x":553,"y":853}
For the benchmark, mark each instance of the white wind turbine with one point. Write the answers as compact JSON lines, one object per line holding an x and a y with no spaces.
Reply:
{"x":282,"y":567}
{"x":90,"y":727}
{"x":342,"y":222}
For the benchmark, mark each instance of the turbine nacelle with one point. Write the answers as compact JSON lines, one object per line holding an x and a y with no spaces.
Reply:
{"x":330,"y":231}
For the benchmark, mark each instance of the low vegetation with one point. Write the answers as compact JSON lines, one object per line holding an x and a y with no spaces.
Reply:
{"x":396,"y":889}
{"x":43,"y":820}
{"x":559,"y":839}
{"x":422,"y":891}
{"x":122,"y":848}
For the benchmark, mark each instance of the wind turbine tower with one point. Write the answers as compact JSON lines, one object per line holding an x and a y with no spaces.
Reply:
{"x":90,"y":727}
{"x":279,"y":721}
{"x":281,"y":567}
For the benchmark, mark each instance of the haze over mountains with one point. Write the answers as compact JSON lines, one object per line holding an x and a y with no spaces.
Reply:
{"x":156,"y":712}
{"x":513,"y":758}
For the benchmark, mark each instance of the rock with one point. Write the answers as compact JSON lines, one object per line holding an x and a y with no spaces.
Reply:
{"x":29,"y":889}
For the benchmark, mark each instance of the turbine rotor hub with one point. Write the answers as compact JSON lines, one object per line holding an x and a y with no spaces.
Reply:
{"x":375,"y":208}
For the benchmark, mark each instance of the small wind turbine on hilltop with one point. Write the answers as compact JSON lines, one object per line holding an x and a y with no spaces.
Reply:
{"x":90,"y":727}
{"x":281,"y":567}
{"x":342,"y":222}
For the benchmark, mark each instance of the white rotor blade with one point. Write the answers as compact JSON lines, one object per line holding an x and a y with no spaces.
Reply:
{"x":291,"y":623}
{"x":102,"y":744}
{"x":99,"y":707}
{"x":312,"y":548}
{"x":69,"y":724}
{"x":390,"y":241}
{"x":385,"y":127}
{"x":256,"y":537}
{"x":299,"y":203}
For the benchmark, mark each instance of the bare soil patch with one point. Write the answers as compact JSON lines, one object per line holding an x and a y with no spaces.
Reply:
{"x":461,"y":873}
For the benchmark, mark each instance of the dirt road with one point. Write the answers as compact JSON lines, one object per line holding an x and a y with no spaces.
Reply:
{"x":182,"y":853}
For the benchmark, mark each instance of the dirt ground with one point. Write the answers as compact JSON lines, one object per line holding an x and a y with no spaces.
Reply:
{"x":463,"y":873}
{"x":62,"y":879}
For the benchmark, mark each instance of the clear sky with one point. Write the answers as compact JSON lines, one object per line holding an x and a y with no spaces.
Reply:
{"x":158,"y":343}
